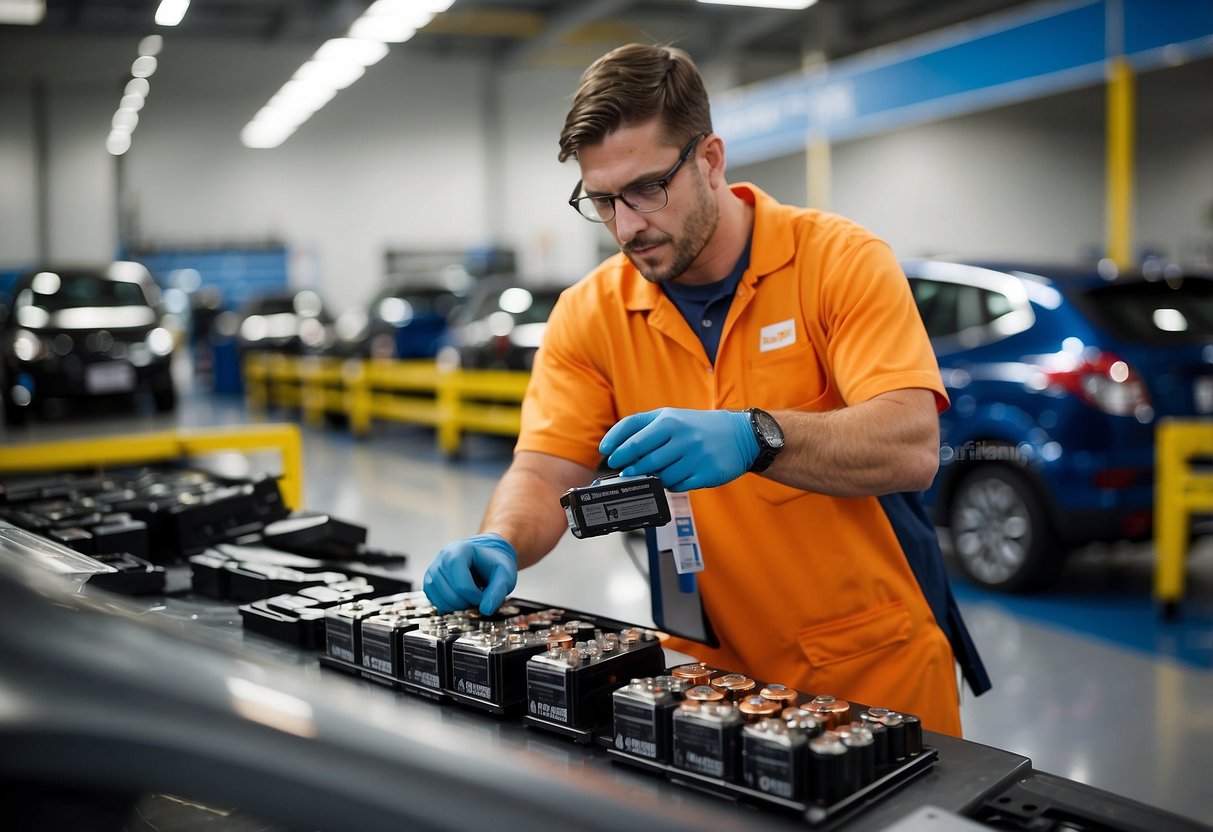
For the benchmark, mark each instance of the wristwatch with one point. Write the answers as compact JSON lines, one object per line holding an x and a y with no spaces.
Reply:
{"x":770,"y":438}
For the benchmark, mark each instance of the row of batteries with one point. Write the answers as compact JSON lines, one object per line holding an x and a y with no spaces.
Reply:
{"x":589,"y":678}
{"x":601,"y":681}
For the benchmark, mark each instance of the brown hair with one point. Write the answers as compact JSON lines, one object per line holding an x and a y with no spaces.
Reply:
{"x":630,"y":85}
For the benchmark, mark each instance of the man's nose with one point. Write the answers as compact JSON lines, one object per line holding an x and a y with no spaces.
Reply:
{"x":628,"y":222}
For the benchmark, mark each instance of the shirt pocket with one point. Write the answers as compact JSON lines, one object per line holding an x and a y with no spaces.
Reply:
{"x":855,"y":635}
{"x":791,"y":378}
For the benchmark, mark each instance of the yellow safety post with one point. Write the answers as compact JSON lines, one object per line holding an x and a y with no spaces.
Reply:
{"x":165,"y":446}
{"x":256,"y":382}
{"x":357,"y":396}
{"x":1120,"y":135}
{"x":1180,"y":491}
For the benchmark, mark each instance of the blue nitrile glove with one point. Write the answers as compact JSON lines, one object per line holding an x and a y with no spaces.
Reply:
{"x":454,"y":579}
{"x":688,"y":449}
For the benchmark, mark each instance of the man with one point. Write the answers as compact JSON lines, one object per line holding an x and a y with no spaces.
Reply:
{"x":821,"y":569}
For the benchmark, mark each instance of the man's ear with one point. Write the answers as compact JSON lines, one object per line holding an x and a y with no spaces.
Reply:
{"x":713,"y":154}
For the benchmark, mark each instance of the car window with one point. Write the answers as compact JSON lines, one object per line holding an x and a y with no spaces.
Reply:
{"x":995,"y":305}
{"x":937,"y":305}
{"x":1174,"y":311}
{"x":84,"y":290}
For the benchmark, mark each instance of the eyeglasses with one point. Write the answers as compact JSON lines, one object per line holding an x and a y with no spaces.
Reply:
{"x":644,"y":198}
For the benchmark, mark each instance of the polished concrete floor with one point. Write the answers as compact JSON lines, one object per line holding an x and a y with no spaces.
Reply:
{"x":1089,"y":682}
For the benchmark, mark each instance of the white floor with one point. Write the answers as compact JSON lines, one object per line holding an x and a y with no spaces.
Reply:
{"x":1081,"y":705}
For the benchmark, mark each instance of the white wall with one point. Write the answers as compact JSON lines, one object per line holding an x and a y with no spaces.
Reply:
{"x":1026,"y":181}
{"x":428,"y":153}
{"x":18,"y":188}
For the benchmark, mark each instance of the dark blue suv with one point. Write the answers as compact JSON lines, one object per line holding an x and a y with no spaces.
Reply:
{"x":1058,"y":377}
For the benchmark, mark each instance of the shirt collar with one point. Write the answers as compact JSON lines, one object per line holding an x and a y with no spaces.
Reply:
{"x":771,"y":247}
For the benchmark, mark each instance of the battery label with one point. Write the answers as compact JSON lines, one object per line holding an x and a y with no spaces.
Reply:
{"x":699,"y":748}
{"x":339,"y":640}
{"x":470,"y":674}
{"x":616,"y":510}
{"x":377,"y":651}
{"x":768,"y":767}
{"x":547,"y":694}
{"x":636,"y":728}
{"x":421,"y":663}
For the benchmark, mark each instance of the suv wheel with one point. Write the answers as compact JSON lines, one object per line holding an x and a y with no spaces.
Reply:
{"x":1000,"y":533}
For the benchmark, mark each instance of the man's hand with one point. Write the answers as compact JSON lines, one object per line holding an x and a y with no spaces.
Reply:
{"x":687,"y":449}
{"x":454,"y":578}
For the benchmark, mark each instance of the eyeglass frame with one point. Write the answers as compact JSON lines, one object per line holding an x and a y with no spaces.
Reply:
{"x":663,"y":182}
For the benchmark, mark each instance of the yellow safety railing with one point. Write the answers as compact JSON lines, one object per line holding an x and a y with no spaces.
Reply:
{"x":165,"y":446}
{"x":1181,"y":490}
{"x":453,"y":402}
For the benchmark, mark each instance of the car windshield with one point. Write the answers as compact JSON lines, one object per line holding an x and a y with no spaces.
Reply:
{"x":1173,"y":311}
{"x":527,"y":305}
{"x":75,"y":291}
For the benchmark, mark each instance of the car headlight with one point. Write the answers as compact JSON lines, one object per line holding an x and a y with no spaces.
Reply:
{"x":28,"y":346}
{"x":159,"y":341}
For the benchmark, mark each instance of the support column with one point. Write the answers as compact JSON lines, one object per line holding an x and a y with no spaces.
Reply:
{"x":817,"y":171}
{"x":1120,"y":152}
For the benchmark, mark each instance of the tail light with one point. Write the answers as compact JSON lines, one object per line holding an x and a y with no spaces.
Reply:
{"x":1103,"y":381}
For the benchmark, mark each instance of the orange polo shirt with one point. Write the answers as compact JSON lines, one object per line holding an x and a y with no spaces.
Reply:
{"x":803,"y":589}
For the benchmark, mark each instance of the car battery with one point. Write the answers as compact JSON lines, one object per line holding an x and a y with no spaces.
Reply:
{"x":833,"y":770}
{"x":615,"y":504}
{"x":488,"y":667}
{"x":316,"y":535}
{"x":427,"y":655}
{"x":134,"y":575}
{"x":569,"y":689}
{"x":774,"y":759}
{"x":704,"y":737}
{"x":299,"y":618}
{"x":121,"y":534}
{"x":73,"y":537}
{"x":382,"y":644}
{"x":343,"y":631}
{"x":254,"y":581}
{"x":641,"y":713}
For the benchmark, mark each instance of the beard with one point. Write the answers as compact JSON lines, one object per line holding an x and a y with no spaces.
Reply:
{"x":697,"y":229}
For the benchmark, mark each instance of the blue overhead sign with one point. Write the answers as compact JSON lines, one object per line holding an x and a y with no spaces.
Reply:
{"x":997,"y":60}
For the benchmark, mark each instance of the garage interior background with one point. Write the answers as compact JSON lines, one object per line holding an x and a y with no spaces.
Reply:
{"x":450,"y":141}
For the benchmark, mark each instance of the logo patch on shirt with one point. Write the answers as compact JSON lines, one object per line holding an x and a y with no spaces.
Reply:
{"x":777,"y":336}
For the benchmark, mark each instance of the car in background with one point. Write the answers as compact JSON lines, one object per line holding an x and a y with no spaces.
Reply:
{"x":85,"y":332}
{"x":408,"y":318}
{"x":502,"y":326}
{"x":291,"y":322}
{"x":1058,"y":377}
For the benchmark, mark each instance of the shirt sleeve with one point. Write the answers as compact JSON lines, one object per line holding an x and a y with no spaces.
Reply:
{"x":876,"y":340}
{"x":569,"y":405}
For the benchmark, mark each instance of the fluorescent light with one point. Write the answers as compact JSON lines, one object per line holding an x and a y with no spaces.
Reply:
{"x":118,"y":142}
{"x":132,"y":102}
{"x":352,"y":51}
{"x":138,"y":86}
{"x":329,"y":74}
{"x":22,"y":12}
{"x":143,"y":67}
{"x":764,"y":4}
{"x":382,"y":29}
{"x":171,"y":12}
{"x":151,"y":45}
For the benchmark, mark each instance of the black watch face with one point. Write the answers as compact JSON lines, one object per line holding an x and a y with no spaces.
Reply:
{"x":769,"y":429}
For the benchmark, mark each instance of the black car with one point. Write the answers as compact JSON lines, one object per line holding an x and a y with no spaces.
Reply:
{"x":502,"y":326}
{"x":408,"y":318}
{"x":76,"y":333}
{"x":292,"y":322}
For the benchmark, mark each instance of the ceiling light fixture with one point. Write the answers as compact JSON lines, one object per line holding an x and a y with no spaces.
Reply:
{"x":22,"y":12}
{"x":793,"y":5}
{"x":170,"y":12}
{"x":337,"y":64}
